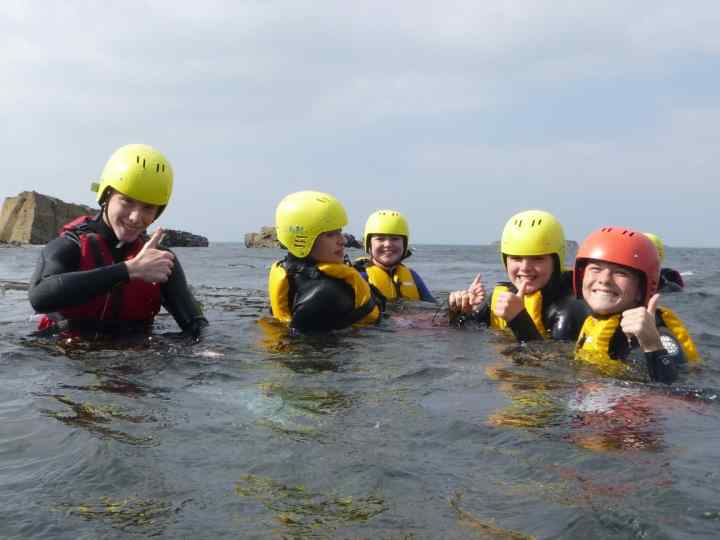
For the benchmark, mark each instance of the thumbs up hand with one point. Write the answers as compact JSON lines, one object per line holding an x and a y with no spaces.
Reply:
{"x":640,"y":323}
{"x":465,"y":301}
{"x":509,"y":305}
{"x":151,"y":264}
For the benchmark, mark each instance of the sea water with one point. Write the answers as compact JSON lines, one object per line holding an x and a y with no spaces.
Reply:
{"x":410,"y":429}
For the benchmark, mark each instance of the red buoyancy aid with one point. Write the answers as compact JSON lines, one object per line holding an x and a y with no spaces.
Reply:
{"x":136,"y":300}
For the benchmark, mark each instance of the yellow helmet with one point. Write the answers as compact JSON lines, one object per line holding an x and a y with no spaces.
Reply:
{"x":658,"y":244}
{"x":302,"y":216}
{"x":531,"y":233}
{"x":138,"y":171}
{"x":387,"y":222}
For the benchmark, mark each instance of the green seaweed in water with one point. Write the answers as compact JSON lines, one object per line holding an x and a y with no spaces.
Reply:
{"x":91,"y":417}
{"x":302,"y":511}
{"x":131,"y":512}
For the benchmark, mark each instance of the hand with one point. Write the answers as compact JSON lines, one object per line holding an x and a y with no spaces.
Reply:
{"x":151,"y":264}
{"x":640,"y":322}
{"x":509,"y":305}
{"x":465,"y":301}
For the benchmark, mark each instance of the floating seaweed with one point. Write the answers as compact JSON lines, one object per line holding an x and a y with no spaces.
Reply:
{"x":127,"y":514}
{"x":302,"y":511}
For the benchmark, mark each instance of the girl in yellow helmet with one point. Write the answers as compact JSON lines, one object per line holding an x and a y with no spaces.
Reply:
{"x":386,"y":240}
{"x":313,"y":289}
{"x":670,"y":279}
{"x":537,"y":302}
{"x":100,"y":274}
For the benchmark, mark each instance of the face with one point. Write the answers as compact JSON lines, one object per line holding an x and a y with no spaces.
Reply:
{"x":329,"y":247}
{"x":386,"y":251}
{"x":128,"y":217}
{"x":610,"y":288}
{"x":532,"y":272}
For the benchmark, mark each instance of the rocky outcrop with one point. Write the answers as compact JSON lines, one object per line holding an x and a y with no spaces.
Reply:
{"x":266,"y":238}
{"x":33,"y":218}
{"x":175,"y":238}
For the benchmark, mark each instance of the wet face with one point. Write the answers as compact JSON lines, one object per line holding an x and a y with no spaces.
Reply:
{"x":610,"y":288}
{"x":533,"y":273}
{"x":385,"y":250}
{"x":329,"y":247}
{"x":128,"y":217}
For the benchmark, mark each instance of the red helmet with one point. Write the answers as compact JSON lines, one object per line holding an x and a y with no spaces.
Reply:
{"x":620,"y":246}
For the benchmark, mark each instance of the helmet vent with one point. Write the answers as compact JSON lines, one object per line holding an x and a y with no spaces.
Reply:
{"x":157,"y":168}
{"x":143,"y":163}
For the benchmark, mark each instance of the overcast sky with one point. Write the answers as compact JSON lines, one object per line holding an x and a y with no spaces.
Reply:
{"x":456,"y":113}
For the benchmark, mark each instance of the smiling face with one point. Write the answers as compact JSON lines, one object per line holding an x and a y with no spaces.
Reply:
{"x":329,"y":247}
{"x":531,"y":272}
{"x":128,"y":217}
{"x":610,"y":288}
{"x":386,"y":250}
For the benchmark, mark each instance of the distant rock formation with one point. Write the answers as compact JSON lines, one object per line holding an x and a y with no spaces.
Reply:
{"x":175,"y":238}
{"x":33,"y":218}
{"x":267,"y":238}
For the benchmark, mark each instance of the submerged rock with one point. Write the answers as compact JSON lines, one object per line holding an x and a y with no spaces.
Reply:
{"x":33,"y":218}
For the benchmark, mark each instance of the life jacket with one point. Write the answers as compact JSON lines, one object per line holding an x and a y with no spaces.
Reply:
{"x":533,"y":305}
{"x":400,"y":283}
{"x":281,"y":298}
{"x":135,"y":301}
{"x":596,"y":334}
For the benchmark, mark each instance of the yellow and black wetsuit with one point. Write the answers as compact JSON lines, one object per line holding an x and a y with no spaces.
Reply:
{"x":602,"y":343}
{"x":318,"y":297}
{"x":553,"y":312}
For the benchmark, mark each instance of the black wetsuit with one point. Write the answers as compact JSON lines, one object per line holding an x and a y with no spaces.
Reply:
{"x":562,"y":313}
{"x":57,"y":283}
{"x":663,"y":365}
{"x":320,"y":303}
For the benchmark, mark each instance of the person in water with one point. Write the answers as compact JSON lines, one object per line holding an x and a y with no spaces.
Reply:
{"x":670,"y":279}
{"x":616,"y":273}
{"x":313,"y":288}
{"x":537,"y":302}
{"x":101,"y":274}
{"x":386,"y":241}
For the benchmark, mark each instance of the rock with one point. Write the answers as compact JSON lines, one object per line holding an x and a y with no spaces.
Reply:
{"x":33,"y":218}
{"x":174,"y":238}
{"x":266,"y":238}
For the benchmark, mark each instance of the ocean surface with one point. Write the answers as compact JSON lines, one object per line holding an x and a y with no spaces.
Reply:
{"x":407,"y":430}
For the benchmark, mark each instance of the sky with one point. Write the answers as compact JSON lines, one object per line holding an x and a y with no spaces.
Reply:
{"x":456,"y":113}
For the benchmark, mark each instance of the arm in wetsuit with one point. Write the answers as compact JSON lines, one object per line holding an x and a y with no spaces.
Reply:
{"x":57,"y":283}
{"x":663,"y":365}
{"x":181,"y":304}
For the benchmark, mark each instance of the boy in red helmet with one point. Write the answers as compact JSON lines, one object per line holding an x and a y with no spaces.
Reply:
{"x":616,"y":273}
